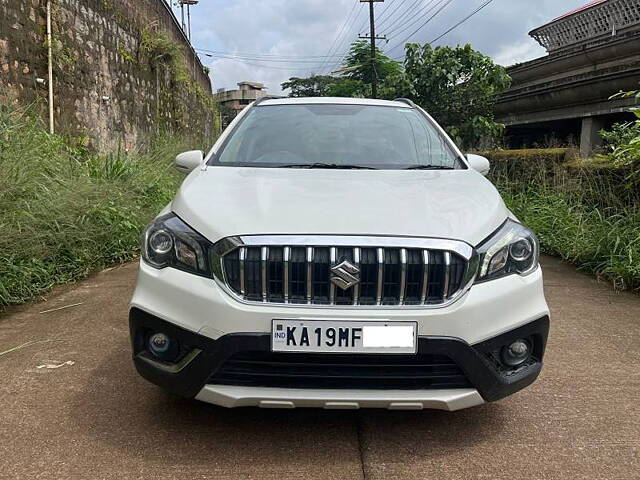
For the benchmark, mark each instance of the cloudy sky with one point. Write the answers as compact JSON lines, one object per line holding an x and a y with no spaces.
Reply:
{"x":269,"y":41}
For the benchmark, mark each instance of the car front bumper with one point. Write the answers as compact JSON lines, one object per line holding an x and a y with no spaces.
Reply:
{"x":194,"y":373}
{"x":212,"y":327}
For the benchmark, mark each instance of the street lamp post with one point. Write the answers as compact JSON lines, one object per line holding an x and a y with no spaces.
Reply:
{"x":188,"y":3}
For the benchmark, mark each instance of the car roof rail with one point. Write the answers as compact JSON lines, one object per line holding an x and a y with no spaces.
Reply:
{"x":264,"y":99}
{"x":407,"y":101}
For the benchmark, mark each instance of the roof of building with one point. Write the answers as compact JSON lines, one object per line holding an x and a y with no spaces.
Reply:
{"x":252,"y":84}
{"x":578,"y":10}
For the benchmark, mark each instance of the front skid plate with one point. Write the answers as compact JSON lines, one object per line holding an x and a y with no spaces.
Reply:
{"x":235,"y":396}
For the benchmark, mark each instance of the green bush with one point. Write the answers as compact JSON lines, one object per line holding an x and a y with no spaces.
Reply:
{"x":65,"y":212}
{"x":582,"y":211}
{"x":528,"y":166}
{"x":536,"y":155}
{"x":624,"y":143}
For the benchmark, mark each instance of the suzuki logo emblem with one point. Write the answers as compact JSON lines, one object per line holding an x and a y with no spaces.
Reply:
{"x":345,"y":275}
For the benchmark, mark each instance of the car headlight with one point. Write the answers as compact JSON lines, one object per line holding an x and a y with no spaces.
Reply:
{"x":513,"y":249}
{"x":169,"y":242}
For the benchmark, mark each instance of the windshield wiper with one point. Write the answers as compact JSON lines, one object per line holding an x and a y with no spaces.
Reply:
{"x":430,"y":167}
{"x":334,"y":166}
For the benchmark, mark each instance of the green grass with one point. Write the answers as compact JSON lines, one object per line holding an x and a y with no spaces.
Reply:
{"x":606,"y":244}
{"x":65,"y":212}
{"x":581,"y":212}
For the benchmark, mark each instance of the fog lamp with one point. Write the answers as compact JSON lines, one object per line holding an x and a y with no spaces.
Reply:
{"x":516,"y":353}
{"x":159,"y":344}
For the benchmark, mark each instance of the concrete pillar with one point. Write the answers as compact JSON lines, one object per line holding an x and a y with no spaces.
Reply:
{"x":590,"y":139}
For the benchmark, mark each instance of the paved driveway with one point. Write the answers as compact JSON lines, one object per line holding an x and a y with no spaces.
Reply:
{"x":96,"y":418}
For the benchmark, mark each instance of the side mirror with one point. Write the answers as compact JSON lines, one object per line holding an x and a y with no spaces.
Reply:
{"x":479,"y":163}
{"x":188,"y":161}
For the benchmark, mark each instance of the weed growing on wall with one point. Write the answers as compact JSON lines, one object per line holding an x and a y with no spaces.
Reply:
{"x":126,"y":55}
{"x":163,"y":52}
{"x":166,"y":56}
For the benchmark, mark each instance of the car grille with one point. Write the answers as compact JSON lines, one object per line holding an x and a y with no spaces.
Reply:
{"x":302,"y":370}
{"x":300,"y":274}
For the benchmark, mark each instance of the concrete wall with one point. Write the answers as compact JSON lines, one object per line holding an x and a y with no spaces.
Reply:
{"x":106,"y":86}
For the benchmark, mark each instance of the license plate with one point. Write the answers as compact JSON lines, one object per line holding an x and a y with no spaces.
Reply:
{"x":329,"y":336}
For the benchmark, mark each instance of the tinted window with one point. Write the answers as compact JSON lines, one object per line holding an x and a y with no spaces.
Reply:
{"x":364,"y":135}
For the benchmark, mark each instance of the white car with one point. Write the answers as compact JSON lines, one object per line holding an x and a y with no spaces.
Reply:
{"x":338,"y":253}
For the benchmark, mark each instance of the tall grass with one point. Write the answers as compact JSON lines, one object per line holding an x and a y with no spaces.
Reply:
{"x":65,"y":212}
{"x":585,"y":214}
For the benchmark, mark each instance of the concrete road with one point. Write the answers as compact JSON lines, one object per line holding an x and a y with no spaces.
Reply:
{"x":96,"y":418}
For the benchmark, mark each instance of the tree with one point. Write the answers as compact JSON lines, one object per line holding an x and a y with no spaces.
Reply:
{"x":324,"y":86}
{"x":314,"y":86}
{"x":352,"y":80}
{"x":358,"y":64}
{"x":457,"y":85}
{"x":346,"y":87}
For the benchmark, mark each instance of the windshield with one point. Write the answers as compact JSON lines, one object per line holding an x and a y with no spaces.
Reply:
{"x":336,"y":136}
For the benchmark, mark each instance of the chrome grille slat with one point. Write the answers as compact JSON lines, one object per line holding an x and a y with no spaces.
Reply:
{"x":425,"y":277}
{"x":309,"y":275}
{"x":380,"y":285}
{"x":264,"y":256}
{"x":332,"y":287}
{"x":403,"y":275}
{"x":447,"y":275}
{"x":356,"y":288}
{"x":286,"y":258}
{"x":313,"y":274}
{"x":243,"y":259}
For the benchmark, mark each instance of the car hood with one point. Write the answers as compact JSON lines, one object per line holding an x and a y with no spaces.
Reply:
{"x":224,"y":201}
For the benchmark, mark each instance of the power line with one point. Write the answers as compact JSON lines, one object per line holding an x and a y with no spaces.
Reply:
{"x":338,"y":36}
{"x":337,"y":41}
{"x":410,"y":17}
{"x":440,"y":9}
{"x":390,"y":16}
{"x":418,"y":18}
{"x":264,"y":55}
{"x":344,"y":45}
{"x":346,"y":39}
{"x":263,"y":59}
{"x":270,"y":67}
{"x":477,"y":10}
{"x":381,"y":17}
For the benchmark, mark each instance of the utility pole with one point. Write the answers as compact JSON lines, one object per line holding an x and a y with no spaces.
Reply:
{"x":373,"y":37}
{"x":186,"y":27}
{"x":50,"y":67}
{"x":189,"y":16}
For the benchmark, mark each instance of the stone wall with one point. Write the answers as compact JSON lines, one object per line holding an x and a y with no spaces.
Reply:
{"x":123,"y":70}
